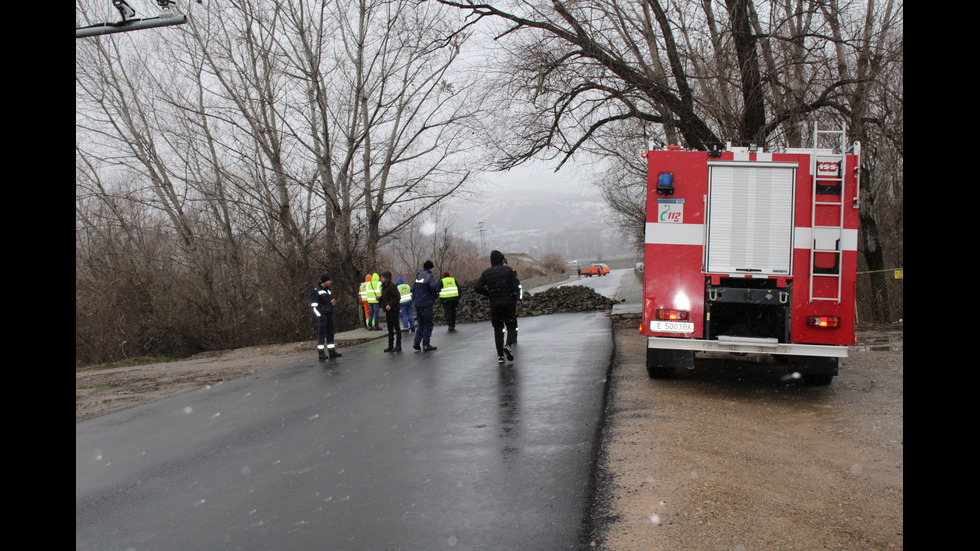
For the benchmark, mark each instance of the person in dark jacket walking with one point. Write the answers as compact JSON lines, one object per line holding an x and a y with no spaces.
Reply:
{"x":389,"y":303}
{"x":424,"y":293}
{"x":322,"y":304}
{"x":500,"y":285}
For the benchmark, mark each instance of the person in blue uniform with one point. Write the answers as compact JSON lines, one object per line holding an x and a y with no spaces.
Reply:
{"x":323,"y":303}
{"x":424,"y":293}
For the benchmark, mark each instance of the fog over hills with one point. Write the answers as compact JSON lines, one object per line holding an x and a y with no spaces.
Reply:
{"x":572,"y":222}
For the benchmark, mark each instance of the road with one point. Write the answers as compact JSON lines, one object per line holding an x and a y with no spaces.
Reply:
{"x":436,"y":450}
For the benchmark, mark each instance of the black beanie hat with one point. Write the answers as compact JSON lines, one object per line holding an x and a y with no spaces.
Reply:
{"x":428,"y":265}
{"x":324,"y":278}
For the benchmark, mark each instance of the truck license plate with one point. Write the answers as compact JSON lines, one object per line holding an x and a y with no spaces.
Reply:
{"x":672,"y":326}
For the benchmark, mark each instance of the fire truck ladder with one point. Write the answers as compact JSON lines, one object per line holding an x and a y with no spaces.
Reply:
{"x":827,"y":183}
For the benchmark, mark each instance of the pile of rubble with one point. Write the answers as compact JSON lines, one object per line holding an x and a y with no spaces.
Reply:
{"x":569,"y":298}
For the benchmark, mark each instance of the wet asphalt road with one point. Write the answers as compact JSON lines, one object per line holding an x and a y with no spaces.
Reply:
{"x":411,"y":450}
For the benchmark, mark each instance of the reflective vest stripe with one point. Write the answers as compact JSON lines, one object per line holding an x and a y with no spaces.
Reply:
{"x":406,"y":292}
{"x":449,"y":288}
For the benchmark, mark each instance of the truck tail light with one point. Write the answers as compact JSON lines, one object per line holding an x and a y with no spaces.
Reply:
{"x":672,"y":315}
{"x":829,"y":322}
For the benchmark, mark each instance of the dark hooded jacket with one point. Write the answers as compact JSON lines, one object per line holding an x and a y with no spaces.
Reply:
{"x":498,"y":282}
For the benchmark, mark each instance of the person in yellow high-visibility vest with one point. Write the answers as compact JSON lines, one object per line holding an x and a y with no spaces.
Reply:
{"x":373,"y":294}
{"x":406,"y":311}
{"x":362,"y":294}
{"x":449,"y":297}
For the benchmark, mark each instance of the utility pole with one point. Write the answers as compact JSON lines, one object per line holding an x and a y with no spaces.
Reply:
{"x":483,"y":236}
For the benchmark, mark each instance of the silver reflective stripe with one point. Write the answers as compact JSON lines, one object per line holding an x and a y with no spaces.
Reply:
{"x":319,"y":347}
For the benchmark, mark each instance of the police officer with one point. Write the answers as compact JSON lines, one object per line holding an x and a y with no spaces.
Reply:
{"x":449,"y":297}
{"x":322,"y":303}
{"x":424,"y":293}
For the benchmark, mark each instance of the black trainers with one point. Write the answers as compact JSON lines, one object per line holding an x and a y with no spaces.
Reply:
{"x":500,"y":359}
{"x":428,"y":348}
{"x":510,"y":355}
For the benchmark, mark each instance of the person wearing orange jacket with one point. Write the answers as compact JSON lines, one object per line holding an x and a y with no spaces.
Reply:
{"x":362,"y":293}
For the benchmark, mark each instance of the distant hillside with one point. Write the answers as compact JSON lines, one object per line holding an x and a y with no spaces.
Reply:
{"x":525,"y":266}
{"x":539,"y":222}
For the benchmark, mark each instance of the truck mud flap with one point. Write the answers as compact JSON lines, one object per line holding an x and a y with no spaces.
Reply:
{"x":664,"y":364}
{"x":814,"y":370}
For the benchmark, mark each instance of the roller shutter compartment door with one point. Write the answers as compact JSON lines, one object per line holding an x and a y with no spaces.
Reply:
{"x":750,"y":219}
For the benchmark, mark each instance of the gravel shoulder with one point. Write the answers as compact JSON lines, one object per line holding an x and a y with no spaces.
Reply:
{"x":731,"y":457}
{"x":99,"y":391}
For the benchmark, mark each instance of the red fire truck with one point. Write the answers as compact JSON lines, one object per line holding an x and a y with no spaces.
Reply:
{"x":749,"y":252}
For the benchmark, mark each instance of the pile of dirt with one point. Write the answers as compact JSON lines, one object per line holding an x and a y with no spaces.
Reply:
{"x":556,"y":300}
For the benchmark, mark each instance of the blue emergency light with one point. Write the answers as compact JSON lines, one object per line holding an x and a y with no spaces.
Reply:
{"x":665,"y":183}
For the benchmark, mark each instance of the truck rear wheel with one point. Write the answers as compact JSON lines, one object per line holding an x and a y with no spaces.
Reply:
{"x":663,"y":364}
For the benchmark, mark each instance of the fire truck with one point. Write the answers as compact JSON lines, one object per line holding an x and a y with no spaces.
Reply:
{"x":749,"y":252}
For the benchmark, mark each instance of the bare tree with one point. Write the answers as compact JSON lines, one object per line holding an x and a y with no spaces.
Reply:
{"x":231,"y":58}
{"x":609,"y":76}
{"x":123,"y":126}
{"x":279,"y":139}
{"x":382,"y":120}
{"x":869,"y":52}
